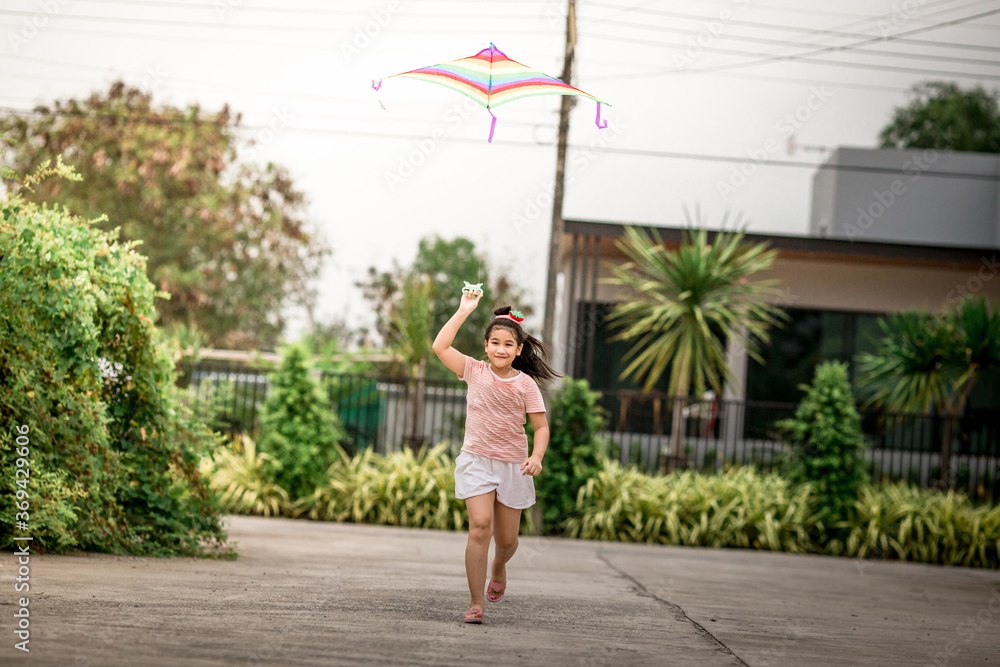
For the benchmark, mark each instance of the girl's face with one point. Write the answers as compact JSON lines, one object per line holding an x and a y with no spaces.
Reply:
{"x":502,"y":347}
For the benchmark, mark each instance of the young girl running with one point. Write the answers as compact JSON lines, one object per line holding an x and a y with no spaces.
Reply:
{"x":493,"y":473}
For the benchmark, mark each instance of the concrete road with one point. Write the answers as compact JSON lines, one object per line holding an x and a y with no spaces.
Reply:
{"x":305,"y":593}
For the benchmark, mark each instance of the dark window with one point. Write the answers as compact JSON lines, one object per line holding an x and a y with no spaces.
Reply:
{"x":809,"y":338}
{"x":603,"y":364}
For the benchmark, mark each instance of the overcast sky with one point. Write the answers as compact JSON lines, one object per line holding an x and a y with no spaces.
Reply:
{"x":699,"y":89}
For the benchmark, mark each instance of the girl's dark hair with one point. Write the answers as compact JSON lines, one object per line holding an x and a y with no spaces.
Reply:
{"x":532,"y":358}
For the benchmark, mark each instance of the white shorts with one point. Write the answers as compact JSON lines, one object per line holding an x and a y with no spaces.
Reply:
{"x":476,"y":475}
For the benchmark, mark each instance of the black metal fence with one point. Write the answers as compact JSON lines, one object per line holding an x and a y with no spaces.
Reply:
{"x":716,"y":434}
{"x":387,"y":413}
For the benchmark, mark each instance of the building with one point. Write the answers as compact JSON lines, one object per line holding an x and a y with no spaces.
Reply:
{"x":933,"y":238}
{"x":890,"y":231}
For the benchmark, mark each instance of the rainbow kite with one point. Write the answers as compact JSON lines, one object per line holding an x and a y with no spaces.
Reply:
{"x":490,"y":78}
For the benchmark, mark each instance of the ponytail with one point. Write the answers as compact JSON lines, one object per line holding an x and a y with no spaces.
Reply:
{"x":532,"y":359}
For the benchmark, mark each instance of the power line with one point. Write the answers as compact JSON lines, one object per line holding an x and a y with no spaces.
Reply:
{"x":245,"y":26}
{"x":802,"y":57}
{"x":807,"y":31}
{"x":704,"y":157}
{"x":209,"y":39}
{"x":257,"y":92}
{"x":159,"y":120}
{"x":862,"y":18}
{"x":787,"y":163}
{"x":782,"y":42}
{"x":855,"y":45}
{"x":281,"y":10}
{"x":814,"y":61}
{"x":836,"y":31}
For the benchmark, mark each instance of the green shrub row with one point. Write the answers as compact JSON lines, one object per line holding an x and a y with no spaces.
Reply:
{"x":415,"y":490}
{"x":748,"y":509}
{"x":741,"y":508}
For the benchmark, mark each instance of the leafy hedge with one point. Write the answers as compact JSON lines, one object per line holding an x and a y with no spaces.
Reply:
{"x":744,"y":508}
{"x":399,"y":489}
{"x":901,"y":522}
{"x":414,"y":490}
{"x":113,"y":453}
{"x":740,"y":508}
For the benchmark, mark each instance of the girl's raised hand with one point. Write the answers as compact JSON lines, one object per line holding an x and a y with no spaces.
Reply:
{"x":469,"y":302}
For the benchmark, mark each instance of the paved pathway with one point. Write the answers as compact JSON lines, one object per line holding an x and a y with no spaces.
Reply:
{"x":306,"y":593}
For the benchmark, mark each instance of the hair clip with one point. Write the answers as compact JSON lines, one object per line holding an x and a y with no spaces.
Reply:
{"x":473,"y":289}
{"x":515,"y":315}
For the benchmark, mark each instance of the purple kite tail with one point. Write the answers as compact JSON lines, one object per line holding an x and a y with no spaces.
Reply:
{"x":493,"y":126}
{"x":378,"y":85}
{"x":600,"y":125}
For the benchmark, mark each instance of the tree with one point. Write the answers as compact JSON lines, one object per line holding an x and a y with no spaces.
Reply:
{"x":826,"y":444}
{"x":446,"y":265}
{"x":227,"y":240}
{"x":683,"y":305}
{"x":942,"y":116}
{"x":299,"y":428}
{"x":88,"y":403}
{"x":931,"y":363}
{"x":575,"y":453}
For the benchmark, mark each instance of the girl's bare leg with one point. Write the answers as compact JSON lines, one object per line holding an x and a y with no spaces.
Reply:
{"x":506,"y":523}
{"x":480,"y":509}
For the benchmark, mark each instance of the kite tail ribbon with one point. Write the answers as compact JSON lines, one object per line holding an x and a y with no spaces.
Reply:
{"x":375,"y":87}
{"x":600,"y":125}
{"x":493,"y":126}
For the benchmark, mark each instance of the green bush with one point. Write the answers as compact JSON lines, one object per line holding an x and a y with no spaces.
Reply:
{"x":826,"y":444}
{"x":574,"y":454}
{"x":298,"y":426}
{"x":244,"y":479}
{"x":399,"y":489}
{"x":899,"y":522}
{"x":743,"y":508}
{"x":112,"y":451}
{"x":740,"y":508}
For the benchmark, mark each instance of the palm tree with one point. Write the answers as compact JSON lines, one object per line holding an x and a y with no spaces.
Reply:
{"x":685,"y":303}
{"x":931,"y":363}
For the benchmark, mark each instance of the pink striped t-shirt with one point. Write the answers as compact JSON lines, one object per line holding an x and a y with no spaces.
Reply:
{"x":496,"y":409}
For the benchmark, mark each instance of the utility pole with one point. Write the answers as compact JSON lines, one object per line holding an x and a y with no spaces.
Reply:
{"x":555,"y":244}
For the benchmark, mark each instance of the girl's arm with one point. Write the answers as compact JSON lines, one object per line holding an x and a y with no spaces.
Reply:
{"x":451,"y":357}
{"x":533,"y":465}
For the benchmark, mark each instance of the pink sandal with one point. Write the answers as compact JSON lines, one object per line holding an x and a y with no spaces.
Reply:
{"x":473,"y":616}
{"x":495,"y":587}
